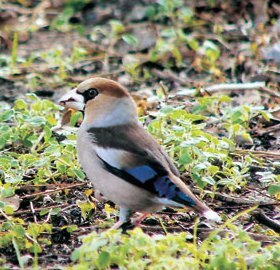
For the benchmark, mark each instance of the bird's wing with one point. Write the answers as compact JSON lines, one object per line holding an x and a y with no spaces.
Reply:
{"x":170,"y":163}
{"x":133,"y":138}
{"x":131,"y":154}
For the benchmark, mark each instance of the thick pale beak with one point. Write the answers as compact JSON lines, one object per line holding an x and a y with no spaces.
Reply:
{"x":72,"y":100}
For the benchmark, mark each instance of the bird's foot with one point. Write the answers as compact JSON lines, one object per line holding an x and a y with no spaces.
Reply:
{"x":137,"y":220}
{"x":117,"y":225}
{"x":124,"y":226}
{"x":126,"y":223}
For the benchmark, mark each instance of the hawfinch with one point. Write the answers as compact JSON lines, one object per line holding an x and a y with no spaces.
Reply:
{"x":123,"y":161}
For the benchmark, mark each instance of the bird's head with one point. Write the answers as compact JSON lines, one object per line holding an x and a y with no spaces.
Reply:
{"x":103,"y":101}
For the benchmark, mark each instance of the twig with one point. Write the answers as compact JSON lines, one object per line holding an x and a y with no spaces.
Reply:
{"x":31,"y":239}
{"x":159,"y":228}
{"x":21,"y":10}
{"x":269,"y":129}
{"x":260,"y":192}
{"x":48,"y":186}
{"x":170,"y":75}
{"x":52,"y":191}
{"x":240,"y":206}
{"x":33,"y":212}
{"x":241,"y":201}
{"x":273,"y":71}
{"x":270,"y":92}
{"x":262,"y":218}
{"x":204,"y":233}
{"x":4,"y":214}
{"x":78,"y":79}
{"x":164,"y":90}
{"x":248,"y":227}
{"x":18,"y":213}
{"x":214,"y":37}
{"x":226,"y":198}
{"x":162,"y":225}
{"x":48,"y":217}
{"x":40,"y":137}
{"x":259,"y":153}
{"x":234,"y":86}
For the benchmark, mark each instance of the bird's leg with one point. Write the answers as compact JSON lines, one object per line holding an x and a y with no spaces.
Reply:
{"x":124,"y":217}
{"x":137,"y":221}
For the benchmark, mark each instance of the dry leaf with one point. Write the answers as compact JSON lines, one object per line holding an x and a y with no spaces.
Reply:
{"x":13,"y":201}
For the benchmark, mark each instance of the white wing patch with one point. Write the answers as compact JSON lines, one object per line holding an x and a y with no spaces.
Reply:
{"x":115,"y":157}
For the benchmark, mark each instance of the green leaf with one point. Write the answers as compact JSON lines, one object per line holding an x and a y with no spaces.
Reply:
{"x":236,"y":117}
{"x":246,"y":136}
{"x":51,"y":120}
{"x":7,"y":192}
{"x":71,"y":228}
{"x":9,"y":210}
{"x":193,"y":44}
{"x":2,"y":175}
{"x":35,"y":248}
{"x":213,"y":169}
{"x":85,"y":207}
{"x":209,"y":180}
{"x":61,"y":167}
{"x":36,"y":121}
{"x":117,"y":27}
{"x":75,"y":117}
{"x":103,"y":260}
{"x":20,"y":104}
{"x":26,"y":141}
{"x":185,"y":158}
{"x":266,"y":115}
{"x":44,"y":212}
{"x":130,"y":39}
{"x":168,"y":33}
{"x":79,"y":173}
{"x":274,"y":189}
{"x":186,"y":14}
{"x":197,"y":178}
{"x":19,"y":230}
{"x":177,"y":55}
{"x":6,"y":115}
{"x":55,"y":211}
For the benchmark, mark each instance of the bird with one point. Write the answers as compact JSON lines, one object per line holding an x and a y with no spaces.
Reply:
{"x":124,"y":162}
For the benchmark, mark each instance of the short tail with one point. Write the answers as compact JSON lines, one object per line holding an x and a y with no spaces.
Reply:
{"x":206,"y":212}
{"x":198,"y":205}
{"x":212,"y":215}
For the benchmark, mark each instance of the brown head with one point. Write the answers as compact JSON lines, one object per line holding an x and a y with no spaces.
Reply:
{"x":104,"y":102}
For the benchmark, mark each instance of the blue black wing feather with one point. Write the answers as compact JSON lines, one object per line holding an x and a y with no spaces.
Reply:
{"x":154,"y":178}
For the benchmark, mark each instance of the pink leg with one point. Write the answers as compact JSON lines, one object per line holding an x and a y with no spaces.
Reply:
{"x":117,"y":225}
{"x":125,"y":215}
{"x":137,"y":221}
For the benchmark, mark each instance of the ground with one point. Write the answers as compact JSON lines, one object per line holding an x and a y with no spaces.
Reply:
{"x":174,"y":57}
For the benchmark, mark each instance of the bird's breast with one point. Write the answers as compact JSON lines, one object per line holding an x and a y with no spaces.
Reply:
{"x":112,"y":187}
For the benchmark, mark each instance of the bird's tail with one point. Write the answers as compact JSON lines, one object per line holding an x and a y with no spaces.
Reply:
{"x":198,"y":206}
{"x":206,"y":212}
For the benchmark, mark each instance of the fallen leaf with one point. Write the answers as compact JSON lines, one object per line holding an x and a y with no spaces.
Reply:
{"x":13,"y":202}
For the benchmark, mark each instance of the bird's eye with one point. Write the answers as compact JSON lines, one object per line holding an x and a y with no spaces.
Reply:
{"x":92,"y":92}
